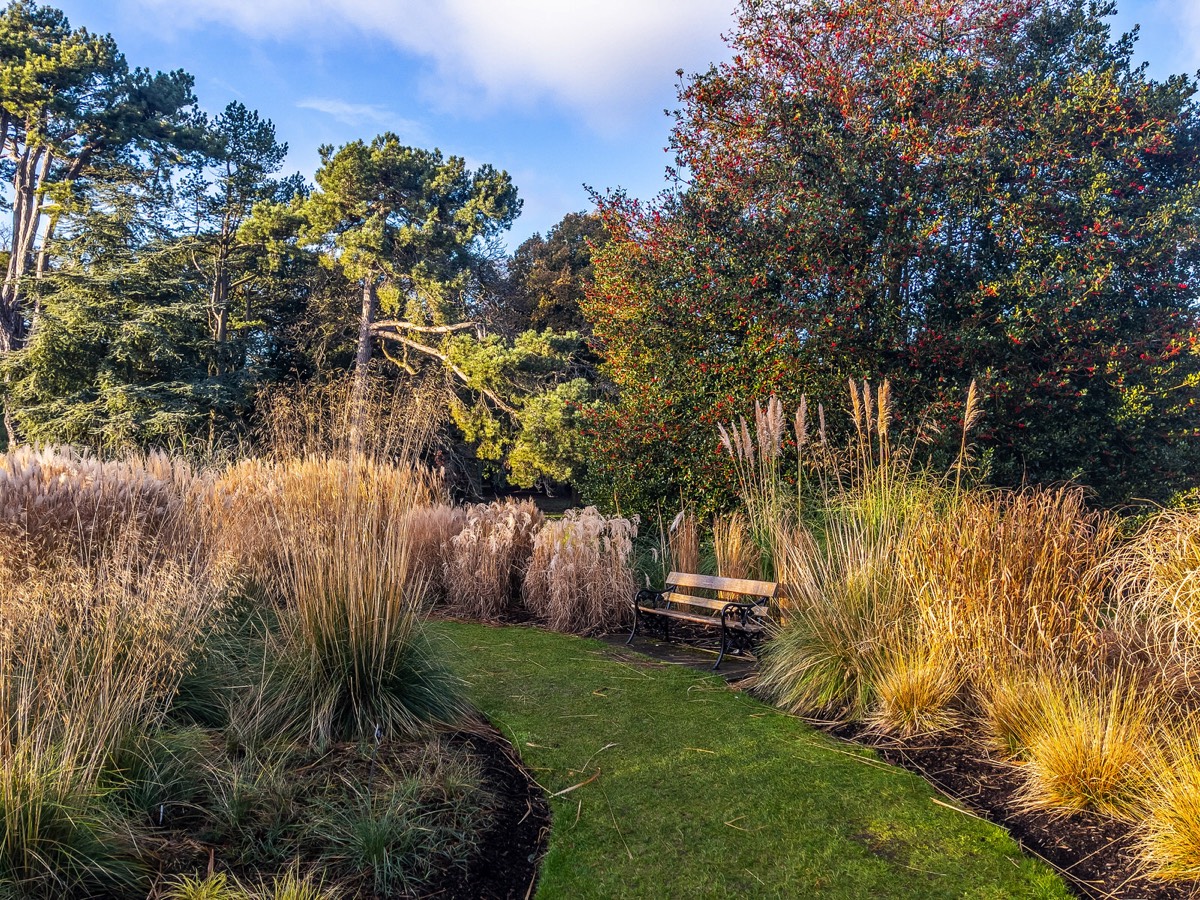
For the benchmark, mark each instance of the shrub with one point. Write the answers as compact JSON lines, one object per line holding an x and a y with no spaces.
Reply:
{"x":489,"y":556}
{"x":580,"y":578}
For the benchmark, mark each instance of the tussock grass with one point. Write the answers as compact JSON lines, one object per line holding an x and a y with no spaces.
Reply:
{"x":580,"y":578}
{"x":489,"y":556}
{"x":1169,"y":830}
{"x":1087,"y":749}
{"x":845,"y":602}
{"x":348,"y":658}
{"x":915,"y":689}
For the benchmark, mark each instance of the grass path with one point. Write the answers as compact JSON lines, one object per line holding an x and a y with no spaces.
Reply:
{"x":687,"y":789}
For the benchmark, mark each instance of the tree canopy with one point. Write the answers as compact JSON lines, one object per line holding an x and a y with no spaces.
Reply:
{"x":928,"y":191}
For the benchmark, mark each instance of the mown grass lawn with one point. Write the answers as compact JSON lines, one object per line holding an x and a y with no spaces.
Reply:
{"x":704,"y":792}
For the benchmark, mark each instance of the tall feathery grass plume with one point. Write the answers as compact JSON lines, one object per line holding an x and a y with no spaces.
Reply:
{"x":580,"y":577}
{"x":489,"y":556}
{"x":58,"y":502}
{"x":350,"y":656}
{"x":736,"y":553}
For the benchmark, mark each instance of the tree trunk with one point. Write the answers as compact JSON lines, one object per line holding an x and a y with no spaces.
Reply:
{"x":362,"y":366}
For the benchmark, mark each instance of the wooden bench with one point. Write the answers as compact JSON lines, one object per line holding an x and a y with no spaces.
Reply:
{"x":739,"y":607}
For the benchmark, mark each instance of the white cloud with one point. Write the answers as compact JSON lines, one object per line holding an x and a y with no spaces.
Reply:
{"x":600,"y":58}
{"x":356,"y":114}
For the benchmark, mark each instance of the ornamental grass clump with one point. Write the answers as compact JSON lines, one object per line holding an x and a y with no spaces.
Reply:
{"x":1169,"y":831}
{"x":1013,"y":581}
{"x":349,"y":658}
{"x":489,"y":556}
{"x":1087,"y":749}
{"x":1157,"y":588}
{"x":57,"y":502}
{"x":431,"y":531}
{"x":91,"y":657}
{"x":580,"y":577}
{"x":916,"y":686}
{"x":846,"y":603}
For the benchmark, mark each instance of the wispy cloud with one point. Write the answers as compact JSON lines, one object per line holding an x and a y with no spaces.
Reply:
{"x":598,"y":58}
{"x":368,"y":115}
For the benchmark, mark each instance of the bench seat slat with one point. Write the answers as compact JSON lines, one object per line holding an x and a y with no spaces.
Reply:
{"x":730,"y":585}
{"x":699,"y":620}
{"x":717,"y":605}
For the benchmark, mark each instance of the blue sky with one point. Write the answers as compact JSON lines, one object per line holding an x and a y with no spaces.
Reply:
{"x":560,"y":93}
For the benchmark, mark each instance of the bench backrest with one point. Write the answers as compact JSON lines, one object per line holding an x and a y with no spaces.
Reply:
{"x":682,"y":588}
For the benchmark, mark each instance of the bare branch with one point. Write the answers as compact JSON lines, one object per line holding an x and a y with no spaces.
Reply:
{"x":423,"y":329}
{"x":436,"y":354}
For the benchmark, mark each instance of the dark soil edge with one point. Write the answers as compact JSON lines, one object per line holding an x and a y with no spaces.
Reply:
{"x":508,"y":862}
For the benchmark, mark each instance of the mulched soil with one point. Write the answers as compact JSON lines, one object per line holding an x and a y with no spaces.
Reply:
{"x":1093,"y":853}
{"x":510,"y":853}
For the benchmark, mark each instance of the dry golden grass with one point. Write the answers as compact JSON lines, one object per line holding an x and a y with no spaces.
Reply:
{"x":331,"y":540}
{"x":1012,"y":580}
{"x":489,"y":556}
{"x":90,"y":657}
{"x":56,"y":502}
{"x":252,"y":503}
{"x":431,"y":530}
{"x":915,"y":688}
{"x":580,"y":578}
{"x":1157,"y":588}
{"x":736,"y":553}
{"x":317,"y":419}
{"x":1088,"y":747}
{"x":1169,"y":830}
{"x":683,"y":542}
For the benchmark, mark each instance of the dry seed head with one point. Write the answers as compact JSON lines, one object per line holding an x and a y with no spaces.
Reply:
{"x":884,"y":407}
{"x":802,"y":421}
{"x":973,"y":411}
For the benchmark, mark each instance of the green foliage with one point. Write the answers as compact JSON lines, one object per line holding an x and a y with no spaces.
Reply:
{"x":999,"y":194}
{"x":537,"y":438}
{"x":548,"y":277}
{"x":409,"y":217}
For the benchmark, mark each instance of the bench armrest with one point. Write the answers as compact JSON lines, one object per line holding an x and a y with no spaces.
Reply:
{"x":649,"y":597}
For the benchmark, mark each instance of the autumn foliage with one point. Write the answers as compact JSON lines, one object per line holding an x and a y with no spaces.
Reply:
{"x":929,"y":191}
